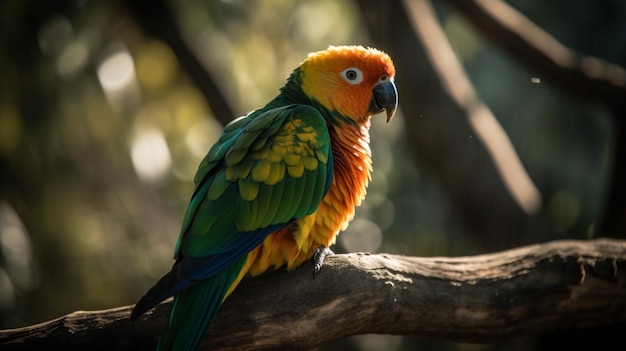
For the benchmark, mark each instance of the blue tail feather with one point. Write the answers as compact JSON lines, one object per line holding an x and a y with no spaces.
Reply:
{"x":188,"y":271}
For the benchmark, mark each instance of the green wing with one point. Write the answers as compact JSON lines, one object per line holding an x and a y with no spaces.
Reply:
{"x":267,"y":169}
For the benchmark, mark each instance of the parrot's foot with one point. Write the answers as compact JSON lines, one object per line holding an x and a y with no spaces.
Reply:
{"x":318,"y":258}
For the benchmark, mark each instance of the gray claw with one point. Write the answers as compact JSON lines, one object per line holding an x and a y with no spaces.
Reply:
{"x":318,"y":258}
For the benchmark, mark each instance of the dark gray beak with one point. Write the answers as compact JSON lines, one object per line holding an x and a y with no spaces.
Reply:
{"x":384,"y":98}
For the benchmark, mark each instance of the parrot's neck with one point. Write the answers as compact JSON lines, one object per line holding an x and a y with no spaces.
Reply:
{"x":292,"y":92}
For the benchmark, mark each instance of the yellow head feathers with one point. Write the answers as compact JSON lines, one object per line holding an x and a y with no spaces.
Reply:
{"x":352,"y":80}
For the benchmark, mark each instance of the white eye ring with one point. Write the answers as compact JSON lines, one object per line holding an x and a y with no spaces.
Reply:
{"x":352,"y":75}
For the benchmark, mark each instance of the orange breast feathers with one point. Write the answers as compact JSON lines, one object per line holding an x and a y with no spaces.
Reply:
{"x":295,"y":244}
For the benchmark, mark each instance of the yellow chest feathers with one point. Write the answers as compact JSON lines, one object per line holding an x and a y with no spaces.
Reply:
{"x":295,"y":244}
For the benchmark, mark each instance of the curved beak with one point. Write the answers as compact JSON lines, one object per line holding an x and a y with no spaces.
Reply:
{"x":384,"y":98}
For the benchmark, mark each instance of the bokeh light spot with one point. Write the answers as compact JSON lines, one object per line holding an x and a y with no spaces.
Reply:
{"x":116,"y":71}
{"x":73,"y":58}
{"x":10,"y":129}
{"x":563,"y":209}
{"x":16,"y":249}
{"x":150,"y":154}
{"x":156,"y":65}
{"x":54,"y":35}
{"x":362,"y":235}
{"x":202,"y":134}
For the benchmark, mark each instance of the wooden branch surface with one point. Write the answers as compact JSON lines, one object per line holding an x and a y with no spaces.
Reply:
{"x":516,"y":293}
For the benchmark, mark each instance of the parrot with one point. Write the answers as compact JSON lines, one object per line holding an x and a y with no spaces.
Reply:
{"x":277,"y":187}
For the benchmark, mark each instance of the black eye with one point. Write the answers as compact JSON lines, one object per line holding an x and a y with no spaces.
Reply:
{"x":352,"y":75}
{"x":383,"y":78}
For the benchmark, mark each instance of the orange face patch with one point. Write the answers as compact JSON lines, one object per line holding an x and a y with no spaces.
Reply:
{"x":342,"y":78}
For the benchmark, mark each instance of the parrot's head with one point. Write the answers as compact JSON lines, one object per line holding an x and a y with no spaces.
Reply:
{"x":354,"y":81}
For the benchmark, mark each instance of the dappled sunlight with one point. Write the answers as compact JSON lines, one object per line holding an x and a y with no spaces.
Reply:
{"x":150,"y":153}
{"x":563,"y":210}
{"x":156,"y":65}
{"x":361,"y":235}
{"x":254,"y":54}
{"x":202,"y":135}
{"x":54,"y":35}
{"x":379,"y":207}
{"x":118,"y":79}
{"x":249,"y":74}
{"x":117,"y":71}
{"x":19,"y":268}
{"x":316,"y":21}
{"x":463,"y":37}
{"x":73,"y":58}
{"x":10,"y":129}
{"x":19,"y":271}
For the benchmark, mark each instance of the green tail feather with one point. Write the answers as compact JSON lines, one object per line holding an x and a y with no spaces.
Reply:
{"x":194,"y":308}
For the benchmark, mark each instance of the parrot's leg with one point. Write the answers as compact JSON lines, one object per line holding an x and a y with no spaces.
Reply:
{"x":318,"y":258}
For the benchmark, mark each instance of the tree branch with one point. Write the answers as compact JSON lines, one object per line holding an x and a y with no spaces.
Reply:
{"x":157,"y":19}
{"x":515,"y":293}
{"x":482,"y":121}
{"x":451,"y":131}
{"x":584,"y":76}
{"x":580,"y":75}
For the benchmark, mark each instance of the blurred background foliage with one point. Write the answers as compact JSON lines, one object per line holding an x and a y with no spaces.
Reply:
{"x":101,"y":131}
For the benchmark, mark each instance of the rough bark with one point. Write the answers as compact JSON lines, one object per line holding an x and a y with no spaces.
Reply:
{"x":515,"y":293}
